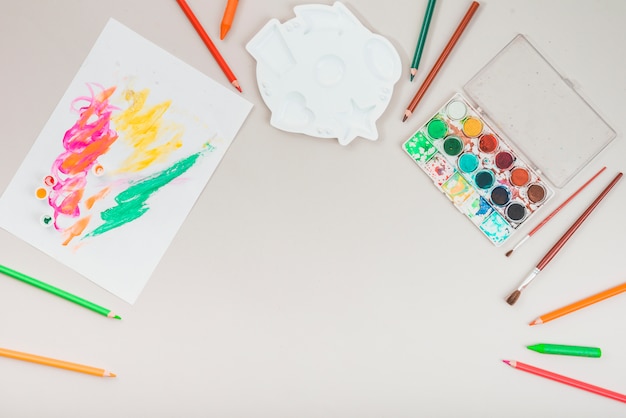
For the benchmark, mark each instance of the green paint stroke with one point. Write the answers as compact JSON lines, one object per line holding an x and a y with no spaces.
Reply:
{"x":131,"y":203}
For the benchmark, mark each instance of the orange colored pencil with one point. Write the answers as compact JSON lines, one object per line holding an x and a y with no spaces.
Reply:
{"x":442,"y":58}
{"x":229,"y":15}
{"x":557,"y":313}
{"x":209,"y":43}
{"x":46,"y":361}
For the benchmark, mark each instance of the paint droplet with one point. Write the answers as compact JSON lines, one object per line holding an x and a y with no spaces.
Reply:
{"x":452,"y":145}
{"x":456,"y":110}
{"x":472,"y":127}
{"x":484,"y":179}
{"x":46,"y":220}
{"x":536,"y":193}
{"x":500,"y":196}
{"x":516,"y":211}
{"x":437,"y":128}
{"x":468,"y":162}
{"x":41,"y":193}
{"x":49,"y":181}
{"x":488,"y":143}
{"x":504,"y":160}
{"x":97,"y":170}
{"x":519,"y":176}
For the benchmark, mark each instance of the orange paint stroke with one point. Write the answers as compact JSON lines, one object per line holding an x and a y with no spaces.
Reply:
{"x":78,"y":162}
{"x":91,"y":200}
{"x":76,"y":229}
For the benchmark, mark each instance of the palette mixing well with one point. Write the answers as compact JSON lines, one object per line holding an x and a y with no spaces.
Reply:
{"x":324,"y":74}
{"x":484,"y":177}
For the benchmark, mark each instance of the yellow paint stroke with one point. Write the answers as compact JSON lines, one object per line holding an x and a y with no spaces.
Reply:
{"x":76,"y":229}
{"x":145,"y":131}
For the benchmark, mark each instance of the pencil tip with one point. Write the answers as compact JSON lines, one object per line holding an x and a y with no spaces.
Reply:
{"x":117,"y":317}
{"x":536,"y":322}
{"x":237,"y":86}
{"x":508,"y":253}
{"x":513,"y":297}
{"x":223,"y":31}
{"x":109,"y":374}
{"x":535,"y":347}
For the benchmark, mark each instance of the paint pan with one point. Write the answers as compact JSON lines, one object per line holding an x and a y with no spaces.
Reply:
{"x":500,"y":150}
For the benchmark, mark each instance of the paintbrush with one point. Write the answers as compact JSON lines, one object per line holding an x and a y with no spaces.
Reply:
{"x":554,"y":212}
{"x":513,"y":297}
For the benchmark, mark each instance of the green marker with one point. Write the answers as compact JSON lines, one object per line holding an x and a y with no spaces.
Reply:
{"x":566,"y":350}
{"x":58,"y":292}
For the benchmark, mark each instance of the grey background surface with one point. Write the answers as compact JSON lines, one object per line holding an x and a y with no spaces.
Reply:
{"x":314,"y":280}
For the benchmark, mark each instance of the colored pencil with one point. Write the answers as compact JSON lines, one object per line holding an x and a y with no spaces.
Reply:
{"x":513,"y":297}
{"x":421,"y":41}
{"x":229,"y":15}
{"x":58,"y":292}
{"x":442,"y":58}
{"x":583,"y":303}
{"x":47,"y":361}
{"x":554,"y":212}
{"x":567,"y":380}
{"x":566,"y":350}
{"x":209,"y":43}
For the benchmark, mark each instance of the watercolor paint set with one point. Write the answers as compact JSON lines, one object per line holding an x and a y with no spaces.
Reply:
{"x":476,"y":169}
{"x":503,"y":148}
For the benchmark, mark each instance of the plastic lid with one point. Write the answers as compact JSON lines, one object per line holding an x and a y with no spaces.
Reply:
{"x":539,"y":111}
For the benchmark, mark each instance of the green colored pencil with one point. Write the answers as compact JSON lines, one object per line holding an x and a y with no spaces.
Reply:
{"x":566,"y":350}
{"x":56,"y":291}
{"x":422,"y":38}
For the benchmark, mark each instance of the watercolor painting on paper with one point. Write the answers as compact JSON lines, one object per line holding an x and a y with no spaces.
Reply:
{"x":121,"y":161}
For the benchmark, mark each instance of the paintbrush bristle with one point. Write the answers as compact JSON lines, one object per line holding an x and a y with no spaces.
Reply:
{"x":508,"y":253}
{"x":513,"y":297}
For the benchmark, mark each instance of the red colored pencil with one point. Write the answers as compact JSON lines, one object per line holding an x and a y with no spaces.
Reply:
{"x":567,"y":380}
{"x":561,"y":242}
{"x":554,"y":212}
{"x":442,"y":58}
{"x":207,"y":41}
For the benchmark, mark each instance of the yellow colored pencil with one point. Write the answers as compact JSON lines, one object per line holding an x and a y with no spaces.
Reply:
{"x":580,"y":304}
{"x":46,"y":361}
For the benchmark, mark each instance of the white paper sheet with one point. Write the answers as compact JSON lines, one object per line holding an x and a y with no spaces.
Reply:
{"x":126,"y":153}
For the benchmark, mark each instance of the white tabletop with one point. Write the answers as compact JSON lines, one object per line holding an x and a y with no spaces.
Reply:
{"x":318,"y":280}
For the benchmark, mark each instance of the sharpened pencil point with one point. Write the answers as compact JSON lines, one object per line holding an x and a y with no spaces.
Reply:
{"x":537,"y":321}
{"x":237,"y":86}
{"x":223,"y":31}
{"x":117,"y":317}
{"x":507,"y":362}
{"x":513,"y":297}
{"x":508,"y":253}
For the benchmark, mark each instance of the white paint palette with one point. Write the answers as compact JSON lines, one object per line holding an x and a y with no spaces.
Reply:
{"x":324,"y":74}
